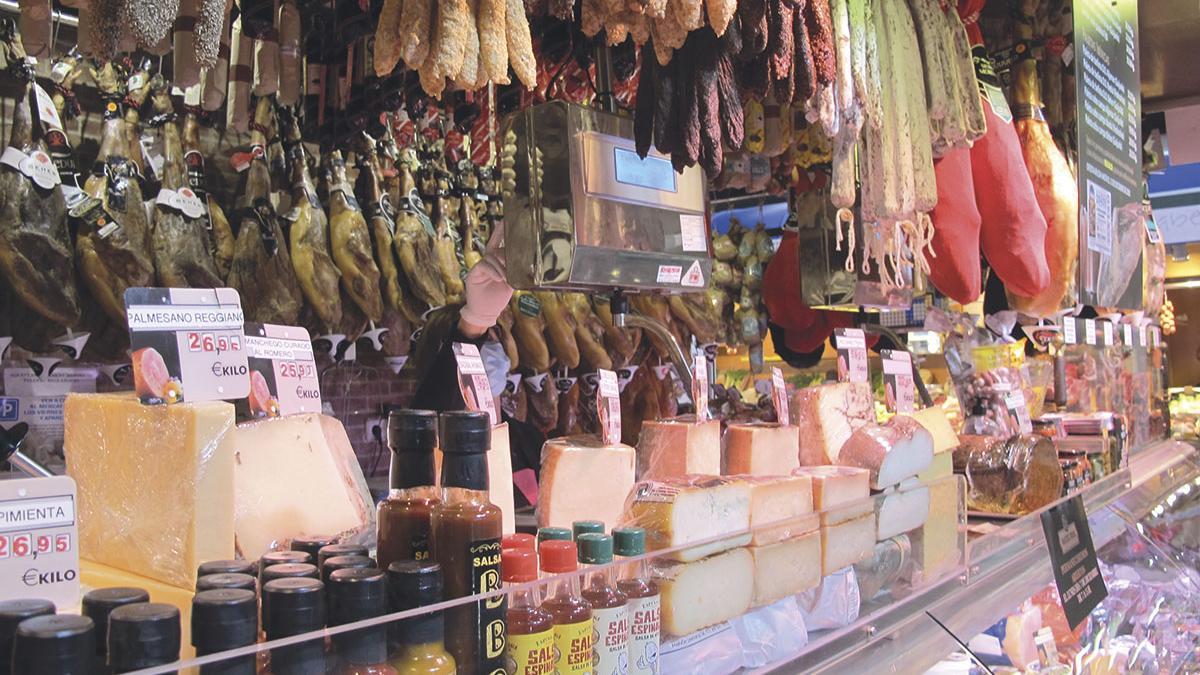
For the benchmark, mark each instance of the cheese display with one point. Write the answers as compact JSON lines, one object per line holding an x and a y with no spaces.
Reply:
{"x":762,"y":449}
{"x":781,"y":502}
{"x":935,"y":544}
{"x":155,"y":483}
{"x":786,"y":567}
{"x":683,"y":511}
{"x":679,"y":447}
{"x":583,"y":479}
{"x":937,"y":423}
{"x":846,"y":543}
{"x":941,"y":466}
{"x":705,"y":592}
{"x":826,"y":416}
{"x":901,"y":509}
{"x":892,"y":452}
{"x":500,"y":483}
{"x":836,"y":485}
{"x":297,"y":476}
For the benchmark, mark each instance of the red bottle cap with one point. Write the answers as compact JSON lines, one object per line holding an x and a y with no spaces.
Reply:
{"x":518,"y":565}
{"x":558,"y":556}
{"x":519,"y":540}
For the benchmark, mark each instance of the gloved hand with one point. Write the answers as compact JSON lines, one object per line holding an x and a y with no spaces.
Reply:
{"x":487,"y":291}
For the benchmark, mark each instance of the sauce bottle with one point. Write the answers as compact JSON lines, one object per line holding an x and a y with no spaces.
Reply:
{"x":232,"y":580}
{"x":292,"y":606}
{"x":225,"y":567}
{"x":572,"y":614}
{"x":466,"y":543}
{"x":552,"y":534}
{"x":520,"y":540}
{"x":333,"y":550}
{"x":53,"y":645}
{"x":142,"y":635}
{"x":344,"y":562}
{"x":223,"y":619}
{"x":358,"y":594}
{"x":97,"y":605}
{"x":420,"y":647}
{"x":312,"y":545}
{"x":644,"y":600}
{"x":404,"y":516}
{"x":272,"y":558}
{"x":12,"y":613}
{"x":289,"y":570}
{"x":530,"y":628}
{"x":586,"y":526}
{"x":610,"y":613}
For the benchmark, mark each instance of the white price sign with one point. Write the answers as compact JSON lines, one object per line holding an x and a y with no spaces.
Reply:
{"x":852,"y":355}
{"x":608,"y":406}
{"x":39,"y":540}
{"x":779,"y":396}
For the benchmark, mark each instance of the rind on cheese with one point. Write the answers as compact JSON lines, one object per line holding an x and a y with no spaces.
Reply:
{"x":583,"y":479}
{"x":761,"y":449}
{"x":901,"y":510}
{"x":935,"y":420}
{"x":779,"y":506}
{"x":834,"y":486}
{"x":786,"y":567}
{"x":155,"y":483}
{"x":846,"y":543}
{"x":679,"y":447}
{"x":298,"y":476}
{"x":826,"y":416}
{"x":892,"y":452}
{"x":705,"y":592}
{"x":683,"y":511}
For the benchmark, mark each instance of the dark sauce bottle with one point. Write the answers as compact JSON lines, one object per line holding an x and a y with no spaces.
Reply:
{"x":60,"y":644}
{"x":224,"y":619}
{"x":143,"y":635}
{"x":419,"y":640}
{"x":405,"y":515}
{"x":231,"y":580}
{"x":358,"y":594}
{"x":312,"y":545}
{"x":345,"y":562}
{"x":98,"y":604}
{"x":12,"y":613}
{"x":292,"y":606}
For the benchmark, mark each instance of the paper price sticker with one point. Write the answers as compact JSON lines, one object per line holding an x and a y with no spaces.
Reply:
{"x":852,"y":355}
{"x":39,"y":540}
{"x":898,"y":386}
{"x":473,"y":380}
{"x":188,"y":344}
{"x":183,"y":200}
{"x":1127,"y":334}
{"x":1109,"y":334}
{"x":1019,"y":410}
{"x":608,"y":406}
{"x":700,"y":386}
{"x":1069,"y":330}
{"x":779,"y":396}
{"x":1145,"y":335}
{"x":693,"y":232}
{"x":1089,"y":331}
{"x":283,"y":371}
{"x":1155,"y":336}
{"x":37,"y":166}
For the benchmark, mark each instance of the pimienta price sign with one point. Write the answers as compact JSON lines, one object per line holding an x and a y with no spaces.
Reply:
{"x":1073,"y":556}
{"x":39,"y":540}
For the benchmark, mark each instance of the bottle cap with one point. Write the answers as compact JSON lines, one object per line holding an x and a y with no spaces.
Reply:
{"x":292,"y":606}
{"x":551,"y":533}
{"x":345,"y":562}
{"x":584,"y":526}
{"x":282,"y":558}
{"x":62,"y":643}
{"x":12,"y":613}
{"x":520,"y":540}
{"x":215,"y":581}
{"x":518,"y":565}
{"x":98,"y":604}
{"x":413,"y":583}
{"x":224,"y":618}
{"x":333,"y":550}
{"x":225,"y":567}
{"x":595,"y":549}
{"x":355,"y":594}
{"x":629,"y":541}
{"x":289,"y":570}
{"x":465,"y":432}
{"x":311,"y":545}
{"x":142,"y":635}
{"x":558,"y":556}
{"x":412,"y":431}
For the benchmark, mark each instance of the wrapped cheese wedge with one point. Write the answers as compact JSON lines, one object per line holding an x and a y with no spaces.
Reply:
{"x":901,"y":509}
{"x":583,"y":479}
{"x":705,"y":592}
{"x":762,"y":449}
{"x":679,"y":447}
{"x":677,"y":512}
{"x":892,"y":452}
{"x":827,"y":416}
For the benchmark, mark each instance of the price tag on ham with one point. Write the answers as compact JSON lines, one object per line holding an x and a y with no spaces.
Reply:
{"x":473,"y":380}
{"x":1127,"y":334}
{"x":39,"y":540}
{"x":1155,"y":336}
{"x":898,"y":387}
{"x":1069,"y":330}
{"x":852,"y":355}
{"x":700,"y":387}
{"x":1109,"y":333}
{"x":779,"y":396}
{"x":1089,"y":331}
{"x":608,"y":406}
{"x":188,"y":344}
{"x":283,"y":371}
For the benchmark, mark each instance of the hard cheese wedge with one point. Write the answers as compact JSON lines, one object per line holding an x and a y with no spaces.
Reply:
{"x":500,"y":482}
{"x":826,"y":416}
{"x":901,"y":509}
{"x":786,"y":568}
{"x":834,"y":486}
{"x":935,"y":544}
{"x":778,"y":506}
{"x":297,"y":476}
{"x":93,"y":575}
{"x":583,"y":479}
{"x":937,"y":423}
{"x":761,"y":449}
{"x":846,"y":543}
{"x":892,"y":452}
{"x":155,"y":483}
{"x":683,"y":511}
{"x":674,"y":448}
{"x":705,"y":592}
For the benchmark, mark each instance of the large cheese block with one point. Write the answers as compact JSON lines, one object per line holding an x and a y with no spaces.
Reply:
{"x":901,"y":509}
{"x":705,"y":592}
{"x":679,"y":447}
{"x":936,"y":543}
{"x":583,"y":479}
{"x":786,"y":568}
{"x":93,"y":575}
{"x":847,"y":543}
{"x":834,"y":486}
{"x":936,"y":421}
{"x":762,"y":449}
{"x":892,"y":452}
{"x":298,"y":476}
{"x":500,"y":482}
{"x":780,"y":507}
{"x":679,"y":512}
{"x":826,"y":416}
{"x":155,"y":483}
{"x":941,"y":466}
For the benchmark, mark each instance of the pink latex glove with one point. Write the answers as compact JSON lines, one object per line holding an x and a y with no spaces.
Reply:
{"x":487,"y":291}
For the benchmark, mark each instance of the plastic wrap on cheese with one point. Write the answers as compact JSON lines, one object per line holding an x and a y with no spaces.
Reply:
{"x":679,"y":447}
{"x":716,"y":649}
{"x":583,"y":479}
{"x":833,"y":604}
{"x":704,"y":592}
{"x":771,"y":634}
{"x":1013,"y":475}
{"x":703,"y":514}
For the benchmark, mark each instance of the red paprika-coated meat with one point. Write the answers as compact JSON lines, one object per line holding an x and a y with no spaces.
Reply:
{"x":956,"y":222}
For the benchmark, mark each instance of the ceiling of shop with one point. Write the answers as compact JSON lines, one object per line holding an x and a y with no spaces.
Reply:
{"x":1169,"y":52}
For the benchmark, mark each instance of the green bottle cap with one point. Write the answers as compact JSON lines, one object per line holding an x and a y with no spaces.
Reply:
{"x":585,"y":526}
{"x":594,"y":548}
{"x":549,"y":533}
{"x":629,"y":541}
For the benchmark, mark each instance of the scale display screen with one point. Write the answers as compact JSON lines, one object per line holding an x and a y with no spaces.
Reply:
{"x":653,"y":173}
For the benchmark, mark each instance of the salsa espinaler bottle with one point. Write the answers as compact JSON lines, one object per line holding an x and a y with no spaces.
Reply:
{"x":530,"y":628}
